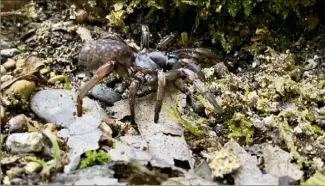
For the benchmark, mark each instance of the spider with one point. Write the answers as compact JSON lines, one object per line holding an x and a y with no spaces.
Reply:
{"x":144,"y":67}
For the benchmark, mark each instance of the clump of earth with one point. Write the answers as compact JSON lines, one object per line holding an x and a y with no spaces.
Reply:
{"x":271,"y":130}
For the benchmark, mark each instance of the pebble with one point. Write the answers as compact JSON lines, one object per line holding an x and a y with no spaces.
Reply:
{"x":221,"y":70}
{"x":22,"y":88}
{"x":44,"y":70}
{"x":105,"y":94}
{"x":5,"y":78}
{"x":17,"y":123}
{"x":269,"y":121}
{"x":9,"y":64}
{"x":322,"y":111}
{"x":9,"y":52}
{"x":3,"y":70}
{"x":60,"y":78}
{"x":5,"y":44}
{"x":208,"y":72}
{"x":32,"y":167}
{"x":24,"y":142}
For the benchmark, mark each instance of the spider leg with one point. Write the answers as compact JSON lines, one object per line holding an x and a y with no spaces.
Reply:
{"x":160,"y":94}
{"x":132,"y":94}
{"x":144,"y":37}
{"x":190,"y":64}
{"x":193,"y":77}
{"x":198,"y":54}
{"x":100,"y":74}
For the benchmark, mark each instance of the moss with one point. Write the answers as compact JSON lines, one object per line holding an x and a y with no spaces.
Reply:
{"x":94,"y":158}
{"x":222,"y":19}
{"x":241,"y":128}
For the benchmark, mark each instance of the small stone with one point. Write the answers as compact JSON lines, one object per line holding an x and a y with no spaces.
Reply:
{"x":221,"y":69}
{"x":60,"y":78}
{"x":252,"y":98}
{"x":49,"y":60}
{"x":269,"y":121}
{"x":208,"y":72}
{"x":9,"y":52}
{"x":318,"y":162}
{"x":5,"y":78}
{"x":9,"y":64}
{"x":297,"y":130}
{"x":22,"y":88}
{"x":309,"y":148}
{"x":223,"y":162}
{"x":322,"y":111}
{"x":32,"y":167}
{"x":24,"y":142}
{"x":15,"y":172}
{"x":44,"y":70}
{"x":5,"y":44}
{"x":3,"y":70}
{"x":256,"y":63}
{"x":258,"y":124}
{"x":105,"y":94}
{"x":17,"y":123}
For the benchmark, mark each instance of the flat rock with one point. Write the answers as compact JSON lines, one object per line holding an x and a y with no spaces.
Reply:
{"x":278,"y":163}
{"x":59,"y":106}
{"x":25,"y":142}
{"x":249,"y":173}
{"x":82,"y":133}
{"x":165,"y":139}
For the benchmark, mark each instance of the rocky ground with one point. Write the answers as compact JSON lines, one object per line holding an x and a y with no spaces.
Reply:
{"x":271,"y":130}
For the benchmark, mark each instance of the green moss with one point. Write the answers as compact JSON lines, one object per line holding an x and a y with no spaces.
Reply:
{"x":222,"y":19}
{"x":94,"y":158}
{"x":241,"y":128}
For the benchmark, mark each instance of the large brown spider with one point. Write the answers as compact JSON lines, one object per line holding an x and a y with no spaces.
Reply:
{"x":113,"y":54}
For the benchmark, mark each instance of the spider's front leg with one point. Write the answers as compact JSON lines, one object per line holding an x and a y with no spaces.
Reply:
{"x":100,"y":74}
{"x":132,"y":94}
{"x":160,"y":94}
{"x":178,"y":73}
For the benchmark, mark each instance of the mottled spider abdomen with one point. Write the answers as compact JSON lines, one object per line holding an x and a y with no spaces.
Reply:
{"x":96,"y":53}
